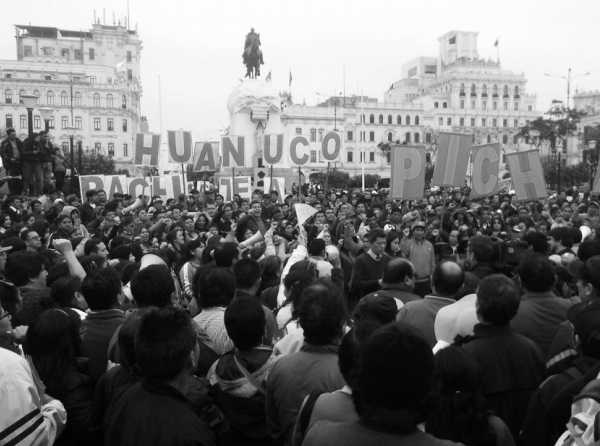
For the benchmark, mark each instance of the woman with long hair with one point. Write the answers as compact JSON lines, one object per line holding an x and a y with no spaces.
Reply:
{"x":458,"y":409}
{"x":392,"y":244}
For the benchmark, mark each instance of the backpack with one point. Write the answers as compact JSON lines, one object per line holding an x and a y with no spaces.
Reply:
{"x":583,"y":428}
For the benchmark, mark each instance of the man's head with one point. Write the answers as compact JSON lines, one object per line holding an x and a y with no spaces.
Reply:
{"x":95,"y":246}
{"x":226,"y":254}
{"x":586,"y":324}
{"x":101,"y":289}
{"x":165,"y":344}
{"x":11,"y":134}
{"x":247,"y":275}
{"x":497,"y":300}
{"x":33,"y":241}
{"x":536,"y":273}
{"x":399,"y":272}
{"x":537,"y":242}
{"x":418,"y":230}
{"x":322,"y":312}
{"x":560,"y":238}
{"x":153,"y":287}
{"x":481,"y":248}
{"x":377,"y":241}
{"x":91,"y":195}
{"x":587,"y":276}
{"x":214,"y":287}
{"x":447,"y":279}
{"x":24,"y":267}
{"x":316,"y":247}
{"x":245,"y":323}
{"x":65,"y":223}
{"x":453,"y":238}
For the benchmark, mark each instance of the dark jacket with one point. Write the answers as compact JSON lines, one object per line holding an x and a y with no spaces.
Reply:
{"x":155,"y":414}
{"x":11,"y":164}
{"x":366,"y":274}
{"x":421,"y":314}
{"x":31,"y":151}
{"x":397,"y":292}
{"x":512,"y":368}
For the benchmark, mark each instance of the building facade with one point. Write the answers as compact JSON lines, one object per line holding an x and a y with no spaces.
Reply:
{"x":88,"y":82}
{"x":455,"y":92}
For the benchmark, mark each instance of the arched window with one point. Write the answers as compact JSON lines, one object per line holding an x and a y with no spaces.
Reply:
{"x":371,"y":119}
{"x":407,"y":120}
{"x":399,"y":120}
{"x":462,"y":90}
{"x":64,"y":99}
{"x":436,"y":105}
{"x":473,"y":90}
{"x":390,"y":119}
{"x":417,"y":137}
{"x":8,"y":99}
{"x":489,"y":138}
{"x":50,"y":97}
{"x":363,"y":119}
{"x":504,"y":139}
{"x":77,"y":98}
{"x":390,"y":136}
{"x":417,"y":120}
{"x":516,"y":91}
{"x":123,"y":101}
{"x":407,"y":137}
{"x":484,"y":90}
{"x":444,"y":105}
{"x":381,"y":119}
{"x":96,"y":100}
{"x":495,"y":90}
{"x":505,"y":91}
{"x":109,"y":100}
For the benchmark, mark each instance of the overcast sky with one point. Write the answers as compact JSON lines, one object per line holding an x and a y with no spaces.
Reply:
{"x":195,"y":45}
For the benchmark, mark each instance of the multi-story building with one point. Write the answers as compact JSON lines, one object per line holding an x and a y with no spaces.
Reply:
{"x":88,"y":82}
{"x":457,"y":91}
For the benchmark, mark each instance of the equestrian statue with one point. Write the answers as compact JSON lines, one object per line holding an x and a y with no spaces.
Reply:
{"x":252,"y":57}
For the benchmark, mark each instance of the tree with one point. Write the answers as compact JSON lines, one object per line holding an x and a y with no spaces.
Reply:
{"x":96,"y":164}
{"x":335,"y":179}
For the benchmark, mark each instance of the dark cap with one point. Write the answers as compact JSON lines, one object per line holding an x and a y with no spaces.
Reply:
{"x":316,"y":246}
{"x":585,"y":318}
{"x":376,"y":307}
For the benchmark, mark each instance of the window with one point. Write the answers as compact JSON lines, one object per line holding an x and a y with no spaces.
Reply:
{"x":37,"y":122}
{"x":50,"y":97}
{"x":462,"y":90}
{"x":416,"y":120}
{"x":494,"y":122}
{"x":123,"y":101}
{"x":51,"y":123}
{"x":65,"y":147}
{"x":77,"y":99}
{"x":505,"y":91}
{"x":128,"y":56}
{"x":472,"y":122}
{"x":298,"y":130}
{"x":47,"y":51}
{"x":371,"y":136}
{"x":489,"y":139}
{"x":505,"y":123}
{"x":506,"y":106}
{"x":462,"y":104}
{"x":321,"y":132}
{"x":362,"y":119}
{"x":495,"y":91}
{"x":407,"y":120}
{"x":428,"y":138}
{"x":516,"y":94}
{"x":97,"y":124}
{"x":390,"y":120}
{"x":495,"y":105}
{"x":350,"y":157}
{"x":78,"y":122}
{"x":129,"y":74}
{"x":516,"y":108}
{"x":125,"y":150}
{"x":109,"y":100}
{"x":436,"y":105}
{"x":381,"y":119}
{"x":449,"y":121}
{"x":8,"y":96}
{"x":484,"y":105}
{"x":473,"y":90}
{"x":461,"y":122}
{"x":484,"y":90}
{"x":371,"y":119}
{"x":390,"y":137}
{"x":473,"y":104}
{"x":407,"y":137}
{"x":64,"y":122}
{"x":7,"y":76}
{"x":313,"y":156}
{"x":371,"y":157}
{"x":8,"y":121}
{"x":313,"y":135}
{"x":444,"y":105}
{"x":111,"y":149}
{"x":388,"y":157}
{"x":64,"y":52}
{"x":91,"y":54}
{"x":23,"y":121}
{"x":504,"y":139}
{"x":27,"y":51}
{"x":110,"y":124}
{"x":64,"y":99}
{"x":124,"y":125}
{"x":482,"y":122}
{"x":417,"y":137}
{"x":77,"y":54}
{"x":96,"y":100}
{"x":92,"y":80}
{"x":97,"y":147}
{"x":530,"y":107}
{"x":441,"y":121}
{"x":349,"y":135}
{"x":21,"y":93}
{"x":399,"y":120}
{"x":515,"y":139}
{"x":516,"y":123}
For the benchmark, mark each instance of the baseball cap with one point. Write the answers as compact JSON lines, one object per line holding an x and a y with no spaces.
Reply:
{"x":419,"y":224}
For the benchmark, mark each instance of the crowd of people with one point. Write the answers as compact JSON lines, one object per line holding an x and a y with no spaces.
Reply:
{"x":194,"y":321}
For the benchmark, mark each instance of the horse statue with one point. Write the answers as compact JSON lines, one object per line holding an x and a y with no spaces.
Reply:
{"x":253,"y":57}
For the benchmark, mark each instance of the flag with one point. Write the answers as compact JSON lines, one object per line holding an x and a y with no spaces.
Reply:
{"x":484,"y":174}
{"x":496,"y":42}
{"x":527,"y":174}
{"x":146,"y":145}
{"x":290,"y":78}
{"x":268,"y":78}
{"x":408,"y":172}
{"x":304,"y":212}
{"x":180,"y":146}
{"x":452,"y":159}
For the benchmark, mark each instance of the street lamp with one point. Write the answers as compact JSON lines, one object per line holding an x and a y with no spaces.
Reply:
{"x":569,"y":77}
{"x":29,"y":101}
{"x":46,"y":113}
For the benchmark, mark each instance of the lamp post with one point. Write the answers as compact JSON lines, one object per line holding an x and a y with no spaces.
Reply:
{"x":46,"y":113}
{"x":71,"y":157}
{"x":569,"y":78}
{"x":29,"y":101}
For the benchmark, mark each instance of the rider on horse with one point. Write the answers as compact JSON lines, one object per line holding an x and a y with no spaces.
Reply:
{"x":252,"y":42}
